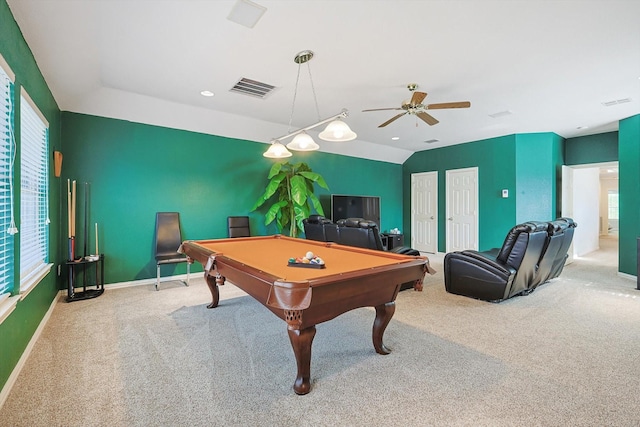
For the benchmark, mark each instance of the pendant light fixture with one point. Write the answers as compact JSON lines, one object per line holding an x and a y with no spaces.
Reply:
{"x":336,"y":130}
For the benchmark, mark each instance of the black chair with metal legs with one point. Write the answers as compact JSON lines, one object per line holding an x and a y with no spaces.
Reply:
{"x":168,"y":240}
{"x":238,"y":226}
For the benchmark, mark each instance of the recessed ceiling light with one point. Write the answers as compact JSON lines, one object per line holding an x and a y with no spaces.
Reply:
{"x":582,"y":127}
{"x":206,"y":93}
{"x":395,"y":138}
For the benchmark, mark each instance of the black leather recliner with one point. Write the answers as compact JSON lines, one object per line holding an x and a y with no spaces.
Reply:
{"x":354,"y":232}
{"x":490,"y":277}
{"x":314,"y":227}
{"x":561,"y":258}
{"x":359,"y":232}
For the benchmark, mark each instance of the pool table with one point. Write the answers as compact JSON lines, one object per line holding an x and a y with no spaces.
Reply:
{"x":303,"y":296}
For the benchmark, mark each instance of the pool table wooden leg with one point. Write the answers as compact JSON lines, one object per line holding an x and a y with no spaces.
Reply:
{"x":213,"y":282}
{"x":384,"y":313}
{"x":301,"y":340}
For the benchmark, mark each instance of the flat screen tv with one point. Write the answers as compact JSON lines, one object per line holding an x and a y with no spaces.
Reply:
{"x":345,"y":206}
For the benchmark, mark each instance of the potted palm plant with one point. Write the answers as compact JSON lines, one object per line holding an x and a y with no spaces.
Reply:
{"x":291,"y":191}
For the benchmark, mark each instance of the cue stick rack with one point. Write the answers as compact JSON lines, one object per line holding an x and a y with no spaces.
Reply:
{"x":82,"y":264}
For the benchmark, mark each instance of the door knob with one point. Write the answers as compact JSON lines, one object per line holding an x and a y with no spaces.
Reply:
{"x":450,"y":218}
{"x":431,"y":217}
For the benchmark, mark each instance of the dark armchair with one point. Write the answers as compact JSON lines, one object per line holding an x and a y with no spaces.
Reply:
{"x":495,"y":277}
{"x":238,"y":226}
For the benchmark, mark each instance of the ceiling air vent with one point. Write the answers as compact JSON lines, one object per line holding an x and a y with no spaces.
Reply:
{"x":431,"y":141}
{"x":252,"y":88}
{"x":616,"y":102}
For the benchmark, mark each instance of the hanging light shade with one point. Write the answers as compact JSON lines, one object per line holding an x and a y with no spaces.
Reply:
{"x":303,"y":142}
{"x":277,"y":151}
{"x":337,"y":131}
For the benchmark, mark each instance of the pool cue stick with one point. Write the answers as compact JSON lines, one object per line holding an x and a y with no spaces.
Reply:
{"x":69,"y":226}
{"x":73,"y":218}
{"x":69,"y":207}
{"x":73,"y":208}
{"x":86,"y":216}
{"x":97,"y":239}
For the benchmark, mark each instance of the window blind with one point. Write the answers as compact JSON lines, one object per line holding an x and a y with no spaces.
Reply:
{"x":34,"y":179}
{"x":6,"y":162}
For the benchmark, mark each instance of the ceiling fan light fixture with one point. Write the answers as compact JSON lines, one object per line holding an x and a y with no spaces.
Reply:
{"x":277,"y":151}
{"x":337,"y":131}
{"x":303,"y":142}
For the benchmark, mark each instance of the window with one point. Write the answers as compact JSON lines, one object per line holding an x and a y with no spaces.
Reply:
{"x":34,"y":200}
{"x":613,"y":204}
{"x":7,"y":153}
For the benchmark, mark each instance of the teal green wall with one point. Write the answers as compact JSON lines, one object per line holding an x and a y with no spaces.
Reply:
{"x":629,"y":193}
{"x":136,"y":170}
{"x":535,"y":189}
{"x":496,"y":162}
{"x":19,"y":327}
{"x":599,"y":148}
{"x":503,"y":163}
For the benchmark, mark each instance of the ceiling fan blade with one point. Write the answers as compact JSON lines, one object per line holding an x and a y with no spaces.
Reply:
{"x":429,"y":119}
{"x":392,"y":119}
{"x":464,"y":104}
{"x":418,"y":97}
{"x":381,"y":109}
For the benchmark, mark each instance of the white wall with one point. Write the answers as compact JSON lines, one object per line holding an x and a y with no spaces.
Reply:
{"x":586,"y":209}
{"x":606,"y":184}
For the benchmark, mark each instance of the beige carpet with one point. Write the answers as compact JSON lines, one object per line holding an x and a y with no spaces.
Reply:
{"x":568,"y":354}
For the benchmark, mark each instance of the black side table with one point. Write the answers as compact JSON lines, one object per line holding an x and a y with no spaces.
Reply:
{"x":392,"y":240}
{"x":84,"y":266}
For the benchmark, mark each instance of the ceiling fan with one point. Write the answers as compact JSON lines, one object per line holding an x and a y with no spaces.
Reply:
{"x":416,"y":107}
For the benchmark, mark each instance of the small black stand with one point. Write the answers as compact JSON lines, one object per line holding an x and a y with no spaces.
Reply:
{"x":81,"y":266}
{"x":390,"y":241}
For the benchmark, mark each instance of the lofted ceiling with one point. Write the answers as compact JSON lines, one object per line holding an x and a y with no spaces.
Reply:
{"x":569,"y":67}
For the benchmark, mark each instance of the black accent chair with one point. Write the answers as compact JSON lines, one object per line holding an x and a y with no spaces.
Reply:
{"x":496,"y":277}
{"x":238,"y":226}
{"x":168,"y":238}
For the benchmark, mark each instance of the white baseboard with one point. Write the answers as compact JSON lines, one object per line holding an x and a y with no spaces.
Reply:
{"x":627,"y":276}
{"x":144,"y":282}
{"x":25,"y":355}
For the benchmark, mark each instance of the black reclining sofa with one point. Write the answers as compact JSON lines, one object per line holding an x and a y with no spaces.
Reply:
{"x":353,"y":232}
{"x":532,"y":254}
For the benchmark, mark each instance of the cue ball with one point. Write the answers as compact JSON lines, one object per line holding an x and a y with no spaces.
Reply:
{"x":309,"y":255}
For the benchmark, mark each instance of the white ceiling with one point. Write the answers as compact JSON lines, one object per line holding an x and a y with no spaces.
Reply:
{"x":552,"y":64}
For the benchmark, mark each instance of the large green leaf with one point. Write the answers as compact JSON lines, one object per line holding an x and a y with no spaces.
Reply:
{"x":317,"y":178}
{"x":273,"y":211}
{"x":316,"y":204}
{"x":298,"y":190}
{"x":275,"y":169}
{"x":272,"y":187}
{"x":302,"y":212}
